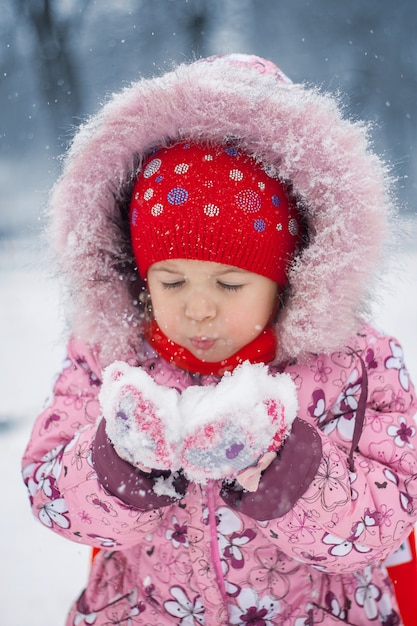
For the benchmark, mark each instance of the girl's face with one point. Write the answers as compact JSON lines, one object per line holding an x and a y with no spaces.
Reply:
{"x":211,"y":309}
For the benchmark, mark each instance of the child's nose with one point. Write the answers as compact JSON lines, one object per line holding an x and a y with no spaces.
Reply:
{"x":199,"y":307}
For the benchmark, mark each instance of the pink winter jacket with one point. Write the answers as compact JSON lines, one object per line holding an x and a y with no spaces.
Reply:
{"x":304,"y":549}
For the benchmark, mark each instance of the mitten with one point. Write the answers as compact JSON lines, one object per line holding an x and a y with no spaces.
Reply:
{"x":142,"y":418}
{"x":227,"y":427}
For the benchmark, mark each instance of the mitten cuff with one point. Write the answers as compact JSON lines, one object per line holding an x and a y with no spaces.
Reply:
{"x":132,"y":486}
{"x":285,"y":480}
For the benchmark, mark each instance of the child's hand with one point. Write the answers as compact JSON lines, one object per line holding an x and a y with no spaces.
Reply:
{"x":229,"y":426}
{"x":142,"y":418}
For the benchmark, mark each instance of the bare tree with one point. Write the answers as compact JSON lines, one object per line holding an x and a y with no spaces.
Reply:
{"x":195,"y":18}
{"x":54,"y":57}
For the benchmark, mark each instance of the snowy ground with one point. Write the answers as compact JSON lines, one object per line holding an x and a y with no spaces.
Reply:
{"x":40,"y":573}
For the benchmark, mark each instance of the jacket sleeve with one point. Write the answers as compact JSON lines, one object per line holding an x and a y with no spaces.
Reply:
{"x":349,"y":497}
{"x":77,"y":484}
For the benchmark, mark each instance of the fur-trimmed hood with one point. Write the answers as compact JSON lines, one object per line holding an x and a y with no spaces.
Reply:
{"x":342,"y":188}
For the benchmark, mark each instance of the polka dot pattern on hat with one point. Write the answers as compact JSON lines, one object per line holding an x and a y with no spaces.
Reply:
{"x":213,"y":203}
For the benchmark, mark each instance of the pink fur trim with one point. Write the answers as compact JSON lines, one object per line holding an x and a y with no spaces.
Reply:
{"x":300,"y":131}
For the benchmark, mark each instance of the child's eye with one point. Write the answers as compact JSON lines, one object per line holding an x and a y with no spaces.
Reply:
{"x":175,"y":285}
{"x":229,"y":287}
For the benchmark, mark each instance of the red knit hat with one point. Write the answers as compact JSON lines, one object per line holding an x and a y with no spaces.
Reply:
{"x":212,"y":203}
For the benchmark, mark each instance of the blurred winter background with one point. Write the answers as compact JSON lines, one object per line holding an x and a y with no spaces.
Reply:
{"x":59,"y":60}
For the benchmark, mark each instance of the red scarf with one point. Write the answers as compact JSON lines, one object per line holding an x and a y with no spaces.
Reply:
{"x":261,"y":350}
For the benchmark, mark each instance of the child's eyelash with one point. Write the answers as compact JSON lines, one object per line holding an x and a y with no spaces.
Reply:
{"x":228,"y":287}
{"x":172,"y":285}
{"x":179,"y":283}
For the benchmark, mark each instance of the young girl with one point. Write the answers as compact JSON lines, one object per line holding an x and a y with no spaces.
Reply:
{"x":228,"y":432}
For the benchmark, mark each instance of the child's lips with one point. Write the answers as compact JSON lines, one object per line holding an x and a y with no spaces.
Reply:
{"x":203,"y":343}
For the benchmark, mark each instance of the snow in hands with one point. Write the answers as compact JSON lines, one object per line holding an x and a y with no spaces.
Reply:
{"x":211,"y":432}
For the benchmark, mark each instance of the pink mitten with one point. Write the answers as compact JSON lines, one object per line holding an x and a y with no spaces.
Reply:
{"x":142,"y":418}
{"x":227,"y":427}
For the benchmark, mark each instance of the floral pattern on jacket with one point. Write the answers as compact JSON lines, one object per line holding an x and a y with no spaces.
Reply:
{"x":200,"y":559}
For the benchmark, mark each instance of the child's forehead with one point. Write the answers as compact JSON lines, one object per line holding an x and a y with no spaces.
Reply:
{"x":182,"y":266}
